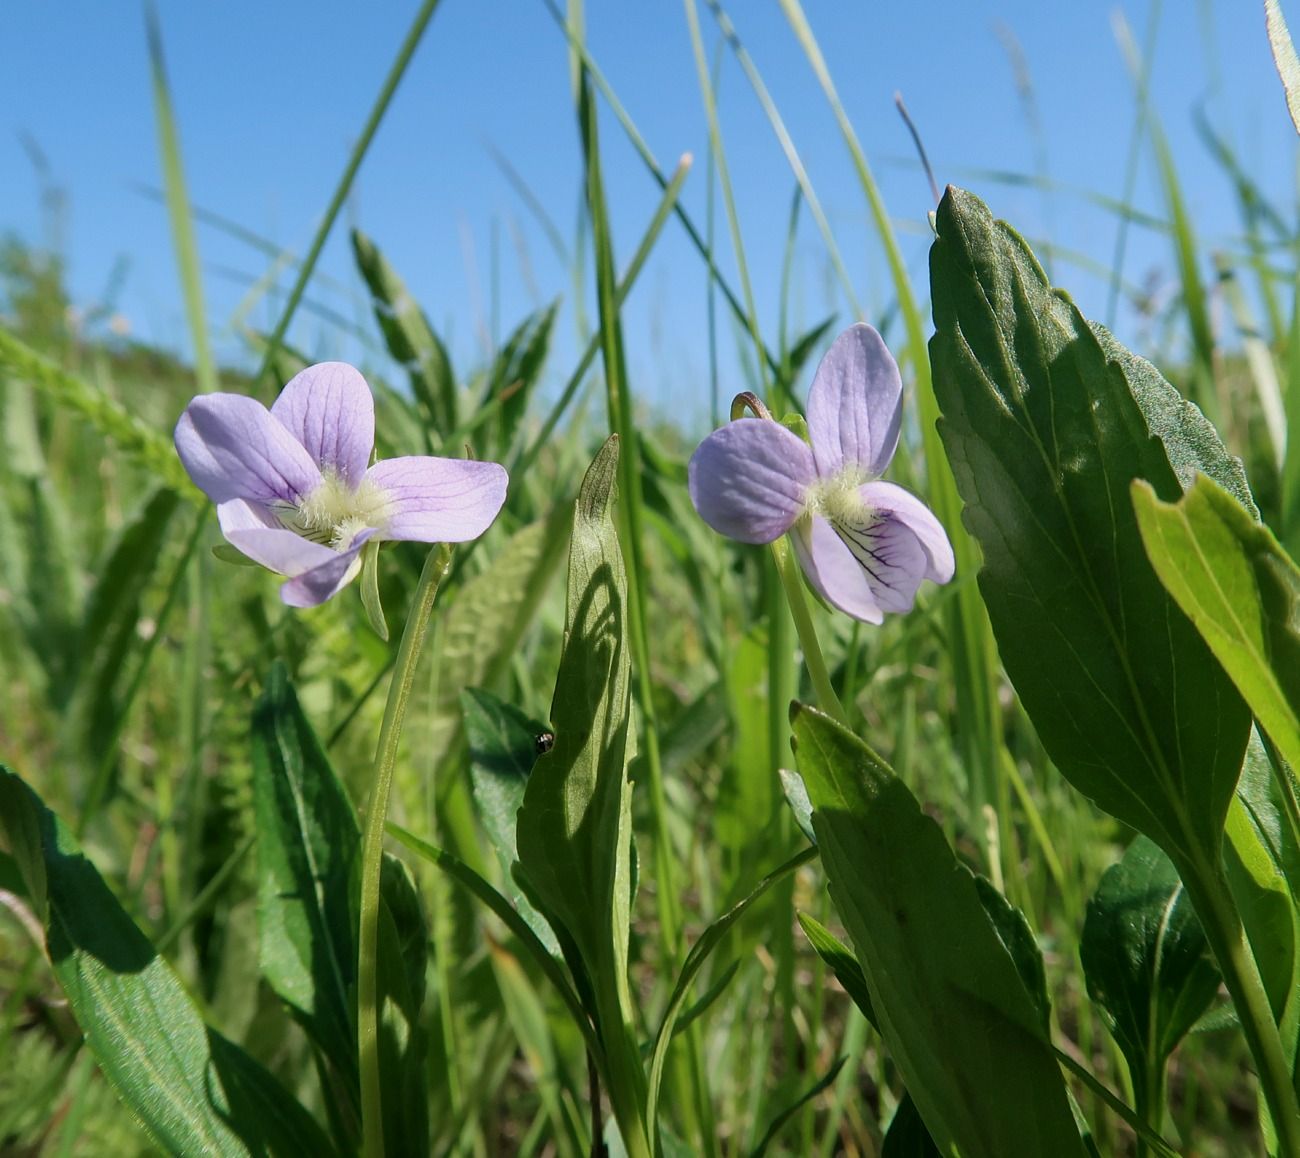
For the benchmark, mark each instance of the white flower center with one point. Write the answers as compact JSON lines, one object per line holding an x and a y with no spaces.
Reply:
{"x":867,"y":532}
{"x":334,"y":512}
{"x":837,"y":499}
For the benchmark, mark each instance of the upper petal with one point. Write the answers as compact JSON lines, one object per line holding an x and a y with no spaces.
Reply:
{"x":904,"y":507}
{"x":748,"y":479}
{"x":233,"y":449}
{"x":329,"y":409}
{"x":439,"y":500}
{"x":327,"y":578}
{"x":833,"y":572}
{"x":855,"y":406}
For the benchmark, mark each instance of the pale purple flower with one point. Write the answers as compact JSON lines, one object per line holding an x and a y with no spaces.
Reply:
{"x":864,"y":544}
{"x":295,"y":490}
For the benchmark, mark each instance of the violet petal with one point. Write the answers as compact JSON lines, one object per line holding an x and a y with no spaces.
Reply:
{"x":329,"y":409}
{"x":904,"y":507}
{"x":439,"y":500}
{"x":748,"y":479}
{"x":233,"y":449}
{"x":329,"y":577}
{"x":833,"y":572}
{"x":279,"y":549}
{"x":855,"y":406}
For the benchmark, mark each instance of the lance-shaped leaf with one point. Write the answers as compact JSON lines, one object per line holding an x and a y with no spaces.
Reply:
{"x":194,"y":1091}
{"x":516,"y":371}
{"x":574,"y":829}
{"x":947,"y":993}
{"x":307,"y":847}
{"x":308,"y":843}
{"x":1262,"y":859}
{"x":1147,"y":963}
{"x":503,"y":746}
{"x":1232,"y":578}
{"x":409,"y":337}
{"x":1047,"y":421}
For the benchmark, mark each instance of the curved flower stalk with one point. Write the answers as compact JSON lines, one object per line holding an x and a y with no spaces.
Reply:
{"x":295,"y":490}
{"x":865,"y":545}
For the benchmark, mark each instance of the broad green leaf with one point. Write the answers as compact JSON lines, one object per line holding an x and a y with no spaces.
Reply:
{"x":1232,"y":578}
{"x":1147,"y":963}
{"x":949,"y":1001}
{"x":192,"y":1089}
{"x":1284,"y":56}
{"x":409,"y":337}
{"x":503,"y":746}
{"x":307,"y":847}
{"x":574,"y":829}
{"x":1047,"y":421}
{"x":907,"y":1136}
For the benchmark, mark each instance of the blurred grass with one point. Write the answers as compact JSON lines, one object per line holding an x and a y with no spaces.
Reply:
{"x":162,"y":781}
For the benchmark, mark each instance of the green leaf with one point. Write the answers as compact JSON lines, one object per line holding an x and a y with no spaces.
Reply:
{"x":503,"y":746}
{"x":482,"y":626}
{"x":516,"y":371}
{"x":1262,"y":860}
{"x":112,"y":616}
{"x":192,"y":1089}
{"x":1147,"y":963}
{"x":1046,"y":421}
{"x":839,"y":957}
{"x":1018,"y":940}
{"x":907,"y":1136}
{"x":307,"y":847}
{"x":409,"y":337}
{"x":574,"y":830}
{"x":403,"y":1038}
{"x":796,"y":796}
{"x":370,"y":589}
{"x":959,"y":1022}
{"x":1231,"y":577}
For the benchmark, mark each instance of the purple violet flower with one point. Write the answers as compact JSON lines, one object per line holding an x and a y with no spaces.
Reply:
{"x":864,"y":544}
{"x":295,"y":490}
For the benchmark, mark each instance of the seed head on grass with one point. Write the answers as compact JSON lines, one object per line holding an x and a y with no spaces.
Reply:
{"x":864,"y":544}
{"x":295,"y":490}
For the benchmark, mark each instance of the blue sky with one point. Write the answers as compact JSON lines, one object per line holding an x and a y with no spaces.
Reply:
{"x":269,"y":98}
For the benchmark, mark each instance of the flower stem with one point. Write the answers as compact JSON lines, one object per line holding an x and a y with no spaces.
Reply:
{"x":372,"y":849}
{"x":812,"y":652}
{"x":1208,"y":889}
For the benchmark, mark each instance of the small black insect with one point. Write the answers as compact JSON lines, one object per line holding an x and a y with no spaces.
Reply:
{"x":545,"y":742}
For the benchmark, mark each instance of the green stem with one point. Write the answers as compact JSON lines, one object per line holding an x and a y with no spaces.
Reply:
{"x":812,"y":652}
{"x":372,"y":849}
{"x":1212,"y":901}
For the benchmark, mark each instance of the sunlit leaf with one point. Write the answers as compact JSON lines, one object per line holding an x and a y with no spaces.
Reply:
{"x":964,"y":1031}
{"x":1047,"y":422}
